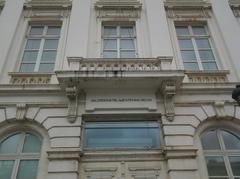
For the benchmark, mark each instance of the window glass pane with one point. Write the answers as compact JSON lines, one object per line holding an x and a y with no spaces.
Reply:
{"x":182,"y":30}
{"x":46,"y":67}
{"x":49,"y":56}
{"x":198,"y":30}
{"x":30,"y":56}
{"x":127,"y":44}
{"x":203,"y":43}
{"x":32,"y":144}
{"x":36,"y":30}
{"x":110,"y":54}
{"x":127,"y":54}
{"x":51,"y":44}
{"x":119,"y":136}
{"x":206,"y":55}
{"x":235,"y":164}
{"x":109,"y":44}
{"x":185,"y":44}
{"x":210,"y":140}
{"x":10,"y":144}
{"x":53,"y":30}
{"x":127,"y":31}
{"x":191,"y":66}
{"x":209,"y":66}
{"x":216,"y":166}
{"x":110,"y":30}
{"x":188,"y":55}
{"x":231,"y":141}
{"x":27,"y":169}
{"x":27,"y":67}
{"x":33,"y":44}
{"x":6,"y":167}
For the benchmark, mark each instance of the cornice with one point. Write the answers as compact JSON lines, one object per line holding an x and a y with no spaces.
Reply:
{"x":48,"y":4}
{"x":187,"y":4}
{"x":2,"y":2}
{"x":113,"y":4}
{"x":234,"y":3}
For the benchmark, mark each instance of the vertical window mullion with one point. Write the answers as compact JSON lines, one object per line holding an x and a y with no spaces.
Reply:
{"x":40,"y":52}
{"x":193,"y":37}
{"x":118,"y":42}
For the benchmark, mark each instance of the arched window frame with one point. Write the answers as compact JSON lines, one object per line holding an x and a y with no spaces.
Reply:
{"x":10,"y":129}
{"x":228,"y":126}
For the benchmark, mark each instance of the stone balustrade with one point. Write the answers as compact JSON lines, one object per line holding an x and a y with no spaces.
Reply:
{"x":133,"y":64}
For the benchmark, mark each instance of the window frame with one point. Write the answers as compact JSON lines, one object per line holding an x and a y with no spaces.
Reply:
{"x":191,"y":36}
{"x":43,"y":37}
{"x":222,"y":152}
{"x":118,"y":37}
{"x":19,"y":155}
{"x":161,"y":141}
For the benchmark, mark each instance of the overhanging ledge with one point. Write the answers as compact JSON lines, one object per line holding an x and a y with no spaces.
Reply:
{"x":114,"y":73}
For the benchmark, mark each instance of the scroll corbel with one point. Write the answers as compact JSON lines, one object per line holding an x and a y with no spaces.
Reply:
{"x":72,"y":95}
{"x":169,"y":91}
{"x":21,"y":110}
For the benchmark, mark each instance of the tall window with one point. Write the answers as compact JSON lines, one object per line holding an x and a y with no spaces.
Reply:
{"x":222,"y":154}
{"x":119,"y":41}
{"x":195,"y":47}
{"x":40,"y":49}
{"x":138,"y":134}
{"x":19,"y":156}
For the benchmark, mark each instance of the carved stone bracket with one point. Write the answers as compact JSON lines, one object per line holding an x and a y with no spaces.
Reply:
{"x":169,"y":91}
{"x":219,"y":109}
{"x":72,"y":95}
{"x":21,"y":111}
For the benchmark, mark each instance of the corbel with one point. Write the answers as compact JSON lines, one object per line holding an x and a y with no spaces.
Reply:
{"x":72,"y":95}
{"x":169,"y":91}
{"x":21,"y":110}
{"x":219,"y":109}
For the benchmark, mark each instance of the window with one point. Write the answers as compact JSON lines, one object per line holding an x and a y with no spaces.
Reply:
{"x":40,"y":49}
{"x":195,"y":47}
{"x":222,"y":154}
{"x":119,"y":41}
{"x":19,"y":156}
{"x":122,"y":134}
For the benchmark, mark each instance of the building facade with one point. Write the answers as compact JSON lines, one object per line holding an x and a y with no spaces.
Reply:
{"x":110,"y":89}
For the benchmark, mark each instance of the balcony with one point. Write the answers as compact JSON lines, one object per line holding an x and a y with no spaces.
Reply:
{"x":112,"y":73}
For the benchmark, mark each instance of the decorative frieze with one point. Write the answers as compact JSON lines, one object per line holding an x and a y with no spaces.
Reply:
{"x":219,"y":76}
{"x":183,"y":4}
{"x":133,"y":64}
{"x":118,"y":9}
{"x":18,"y":78}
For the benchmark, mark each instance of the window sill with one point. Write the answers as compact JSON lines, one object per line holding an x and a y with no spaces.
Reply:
{"x":22,"y":78}
{"x":207,"y":76}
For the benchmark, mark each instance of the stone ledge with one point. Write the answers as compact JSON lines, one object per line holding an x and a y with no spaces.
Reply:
{"x":212,"y":76}
{"x":20,"y":78}
{"x":180,"y":152}
{"x":64,"y":154}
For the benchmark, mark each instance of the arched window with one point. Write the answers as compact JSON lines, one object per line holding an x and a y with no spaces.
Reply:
{"x":222,"y":154}
{"x":19,"y":156}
